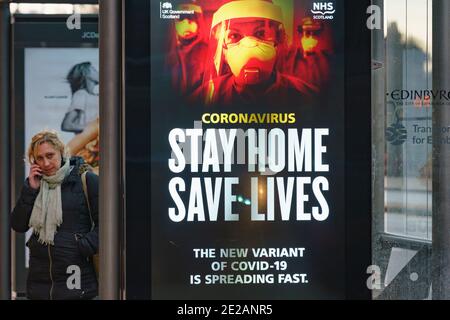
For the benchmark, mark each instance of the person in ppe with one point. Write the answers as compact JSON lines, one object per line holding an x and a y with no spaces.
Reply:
{"x":187,"y":49}
{"x":309,"y":60}
{"x":247,"y":41}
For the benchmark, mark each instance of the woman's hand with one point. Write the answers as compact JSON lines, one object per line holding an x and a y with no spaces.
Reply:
{"x":34,"y":178}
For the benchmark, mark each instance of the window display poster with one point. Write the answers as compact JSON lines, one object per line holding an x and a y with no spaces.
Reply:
{"x":61,"y":94}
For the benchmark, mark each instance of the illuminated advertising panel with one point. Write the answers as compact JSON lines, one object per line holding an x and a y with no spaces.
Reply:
{"x":247,"y":133}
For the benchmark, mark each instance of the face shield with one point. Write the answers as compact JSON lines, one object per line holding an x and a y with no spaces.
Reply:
{"x":245,"y":39}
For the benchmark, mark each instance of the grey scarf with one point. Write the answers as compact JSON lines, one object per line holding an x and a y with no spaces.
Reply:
{"x":47,"y":210}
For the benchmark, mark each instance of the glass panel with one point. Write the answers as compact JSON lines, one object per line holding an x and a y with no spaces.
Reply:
{"x":56,"y":86}
{"x":408,"y":118}
{"x":402,"y":150}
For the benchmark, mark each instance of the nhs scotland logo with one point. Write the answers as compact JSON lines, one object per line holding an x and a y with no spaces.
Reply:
{"x":323,"y":10}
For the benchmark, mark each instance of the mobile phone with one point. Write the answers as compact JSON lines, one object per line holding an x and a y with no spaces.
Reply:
{"x":39,"y":175}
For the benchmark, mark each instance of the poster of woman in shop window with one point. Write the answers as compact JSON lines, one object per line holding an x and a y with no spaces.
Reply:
{"x":61,"y":93}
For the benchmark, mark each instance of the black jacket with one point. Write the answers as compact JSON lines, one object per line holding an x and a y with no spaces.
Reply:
{"x":53,"y":268}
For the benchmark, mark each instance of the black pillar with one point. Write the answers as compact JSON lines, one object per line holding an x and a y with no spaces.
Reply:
{"x":441,"y":154}
{"x":110,"y":141}
{"x":5,"y":191}
{"x":5,"y":168}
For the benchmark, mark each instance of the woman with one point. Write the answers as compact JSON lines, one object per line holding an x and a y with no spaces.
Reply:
{"x":83,"y":79}
{"x":52,"y":202}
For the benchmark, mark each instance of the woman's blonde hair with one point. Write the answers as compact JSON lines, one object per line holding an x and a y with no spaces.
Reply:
{"x":46,"y":136}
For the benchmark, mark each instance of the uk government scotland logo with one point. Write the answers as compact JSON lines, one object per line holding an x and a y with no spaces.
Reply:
{"x":166,"y":11}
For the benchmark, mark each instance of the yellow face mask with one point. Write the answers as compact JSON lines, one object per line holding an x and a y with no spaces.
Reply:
{"x":251,"y":60}
{"x":309,"y":43}
{"x":186,"y":28}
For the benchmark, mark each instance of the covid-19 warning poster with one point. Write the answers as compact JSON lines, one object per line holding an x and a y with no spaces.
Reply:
{"x":247,"y":132}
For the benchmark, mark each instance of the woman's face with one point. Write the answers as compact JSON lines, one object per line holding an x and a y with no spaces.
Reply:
{"x":93,"y":75}
{"x":48,"y":158}
{"x":250,"y":50}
